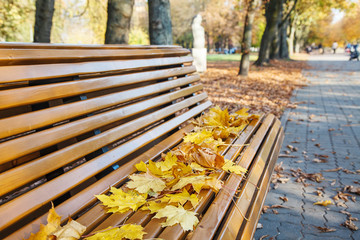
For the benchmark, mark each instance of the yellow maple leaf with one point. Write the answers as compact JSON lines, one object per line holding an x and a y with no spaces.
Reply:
{"x":53,"y":223}
{"x":120,"y":201}
{"x":324,"y":203}
{"x":199,"y":137}
{"x":146,"y":182}
{"x":71,"y":231}
{"x":243,"y":112}
{"x":169,"y":161}
{"x":198,"y":182}
{"x":174,"y":215}
{"x":154,"y":206}
{"x":230,"y":166}
{"x":183,"y":197}
{"x":197,"y":167}
{"x":141,"y":166}
{"x":181,"y":169}
{"x":217,"y":117}
{"x":128,"y":231}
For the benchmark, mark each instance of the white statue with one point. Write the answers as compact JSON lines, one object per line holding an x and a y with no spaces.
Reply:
{"x":198,"y":32}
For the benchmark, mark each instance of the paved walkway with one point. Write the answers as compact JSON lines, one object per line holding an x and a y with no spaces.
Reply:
{"x":325,"y":126}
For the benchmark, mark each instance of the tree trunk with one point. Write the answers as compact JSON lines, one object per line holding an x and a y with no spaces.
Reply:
{"x":247,"y":36}
{"x":118,"y":22}
{"x":160,"y":28}
{"x":275,"y":44}
{"x":43,"y":20}
{"x":272,"y":13}
{"x":291,"y":38}
{"x":284,"y":48}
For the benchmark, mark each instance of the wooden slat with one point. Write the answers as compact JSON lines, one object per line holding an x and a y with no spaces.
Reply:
{"x":35,"y":94}
{"x":34,"y":120}
{"x":236,"y":216}
{"x":34,"y":56}
{"x":250,"y":226}
{"x":86,"y":197}
{"x":28,"y":202}
{"x":19,"y":73}
{"x":82,"y":46}
{"x":16,"y":177}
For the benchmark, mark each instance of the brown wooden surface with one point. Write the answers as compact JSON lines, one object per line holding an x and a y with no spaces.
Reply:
{"x":244,"y":202}
{"x":35,"y":94}
{"x":20,"y":73}
{"x":34,"y":56}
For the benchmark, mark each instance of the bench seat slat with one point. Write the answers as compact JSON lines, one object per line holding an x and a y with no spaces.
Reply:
{"x":34,"y":56}
{"x":28,"y":172}
{"x":250,"y":226}
{"x":17,"y":209}
{"x":20,"y":96}
{"x":244,"y":201}
{"x":212,"y":218}
{"x":20,"y":73}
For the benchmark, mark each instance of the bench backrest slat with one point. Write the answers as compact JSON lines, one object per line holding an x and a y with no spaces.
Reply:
{"x":18,"y":73}
{"x":18,"y":97}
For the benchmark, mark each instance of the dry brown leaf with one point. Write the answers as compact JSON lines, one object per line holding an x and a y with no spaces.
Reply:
{"x":285,"y":199}
{"x":333,"y":170}
{"x":350,"y":225}
{"x":352,"y":189}
{"x":325,"y":229}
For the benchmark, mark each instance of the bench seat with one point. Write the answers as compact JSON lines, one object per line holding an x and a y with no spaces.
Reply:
{"x":75,"y":119}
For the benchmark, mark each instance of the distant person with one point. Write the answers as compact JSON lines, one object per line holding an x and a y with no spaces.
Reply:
{"x":321,"y":50}
{"x":334,"y":47}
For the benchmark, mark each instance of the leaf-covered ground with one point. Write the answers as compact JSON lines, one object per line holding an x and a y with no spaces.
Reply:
{"x":266,"y":89}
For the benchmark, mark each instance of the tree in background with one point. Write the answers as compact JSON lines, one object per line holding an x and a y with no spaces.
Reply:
{"x":43,"y":20}
{"x":17,"y":20}
{"x":247,"y":37}
{"x":160,"y":28}
{"x":272,"y":14}
{"x":118,"y":23}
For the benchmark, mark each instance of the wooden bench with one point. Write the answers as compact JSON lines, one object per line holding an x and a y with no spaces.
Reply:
{"x":75,"y":119}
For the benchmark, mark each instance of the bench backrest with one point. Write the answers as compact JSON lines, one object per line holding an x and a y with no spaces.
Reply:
{"x":71,"y":115}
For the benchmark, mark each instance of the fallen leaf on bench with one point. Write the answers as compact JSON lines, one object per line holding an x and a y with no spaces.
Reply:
{"x":325,"y":229}
{"x":53,"y":222}
{"x":324,"y":203}
{"x":206,"y":157}
{"x":174,"y":215}
{"x":128,"y":231}
{"x":146,"y":182}
{"x":198,"y":182}
{"x":182,"y":198}
{"x":71,"y":231}
{"x":170,"y":160}
{"x":52,"y":230}
{"x":120,"y":201}
{"x":154,"y":206}
{"x":230,"y":166}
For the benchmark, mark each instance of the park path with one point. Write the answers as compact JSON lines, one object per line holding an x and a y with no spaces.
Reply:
{"x":325,"y":126}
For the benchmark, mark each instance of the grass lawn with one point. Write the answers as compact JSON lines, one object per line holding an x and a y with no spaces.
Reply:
{"x":229,"y":57}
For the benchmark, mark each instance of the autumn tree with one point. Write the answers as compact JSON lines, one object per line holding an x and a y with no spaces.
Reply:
{"x":118,"y":22}
{"x":160,"y":28}
{"x":43,"y":20}
{"x":272,"y":13}
{"x":247,"y":37}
